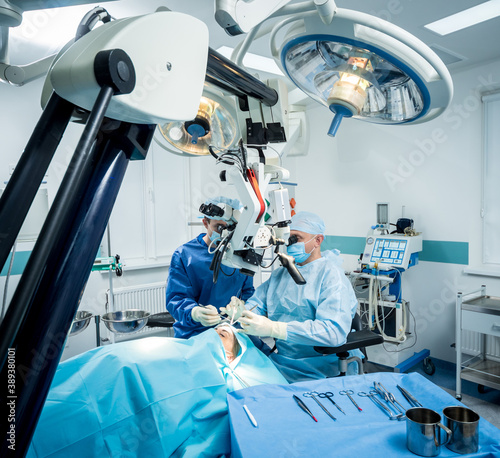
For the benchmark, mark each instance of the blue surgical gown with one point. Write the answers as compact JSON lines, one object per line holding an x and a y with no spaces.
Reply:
{"x":190,"y":283}
{"x":318,"y":313}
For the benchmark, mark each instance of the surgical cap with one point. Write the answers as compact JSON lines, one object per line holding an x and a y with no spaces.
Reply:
{"x":234,"y":203}
{"x":307,"y":222}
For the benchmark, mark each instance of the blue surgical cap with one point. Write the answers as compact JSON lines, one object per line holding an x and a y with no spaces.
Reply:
{"x":234,"y":203}
{"x":307,"y":222}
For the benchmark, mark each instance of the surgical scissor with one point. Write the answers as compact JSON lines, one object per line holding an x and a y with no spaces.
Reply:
{"x":329,"y":395}
{"x":314,"y":394}
{"x":373,"y":396}
{"x":348,"y":394}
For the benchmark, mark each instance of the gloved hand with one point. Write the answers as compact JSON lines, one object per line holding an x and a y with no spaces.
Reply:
{"x":261,"y":326}
{"x":234,"y":309}
{"x":207,"y":316}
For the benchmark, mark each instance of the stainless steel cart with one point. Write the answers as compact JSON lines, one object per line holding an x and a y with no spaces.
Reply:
{"x":480,"y":313}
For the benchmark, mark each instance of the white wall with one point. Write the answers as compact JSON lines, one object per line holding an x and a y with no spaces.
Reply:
{"x":433,"y":169}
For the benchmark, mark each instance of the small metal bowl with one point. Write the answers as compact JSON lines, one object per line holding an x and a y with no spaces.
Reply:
{"x":80,"y":322}
{"x":125,"y":321}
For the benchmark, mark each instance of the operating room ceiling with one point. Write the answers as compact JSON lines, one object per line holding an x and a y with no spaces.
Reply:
{"x":475,"y":45}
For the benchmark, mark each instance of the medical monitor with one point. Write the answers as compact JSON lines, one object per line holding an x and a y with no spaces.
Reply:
{"x":392,"y":251}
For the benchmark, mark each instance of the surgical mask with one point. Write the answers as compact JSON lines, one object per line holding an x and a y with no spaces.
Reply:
{"x":298,"y":251}
{"x":214,"y":237}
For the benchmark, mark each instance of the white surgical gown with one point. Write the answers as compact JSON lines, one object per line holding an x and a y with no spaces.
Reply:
{"x":318,"y":313}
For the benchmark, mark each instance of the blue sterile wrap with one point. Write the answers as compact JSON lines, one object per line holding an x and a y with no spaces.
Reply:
{"x":154,"y":396}
{"x":285,"y":430}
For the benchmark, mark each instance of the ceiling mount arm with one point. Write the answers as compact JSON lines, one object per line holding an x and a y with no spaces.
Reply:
{"x":11,"y":15}
{"x":17,"y":75}
{"x":237,"y":17}
{"x":325,"y":8}
{"x":4,"y":44}
{"x":241,"y":16}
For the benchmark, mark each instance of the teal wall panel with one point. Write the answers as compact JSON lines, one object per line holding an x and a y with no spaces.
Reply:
{"x":432,"y":250}
{"x":20,"y":260}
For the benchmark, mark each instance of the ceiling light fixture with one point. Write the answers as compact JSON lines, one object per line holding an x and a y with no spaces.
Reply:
{"x":466,"y":18}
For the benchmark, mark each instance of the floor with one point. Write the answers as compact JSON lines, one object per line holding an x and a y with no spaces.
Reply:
{"x":486,"y":405}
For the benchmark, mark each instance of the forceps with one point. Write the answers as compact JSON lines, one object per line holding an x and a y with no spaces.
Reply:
{"x":392,"y":399}
{"x":329,"y":395}
{"x":348,"y":394}
{"x":408,"y":396}
{"x":388,"y":398}
{"x":372,"y":395}
{"x":313,"y":394}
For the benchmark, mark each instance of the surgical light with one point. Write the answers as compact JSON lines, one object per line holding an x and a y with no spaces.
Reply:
{"x":215,"y":125}
{"x":363,"y":67}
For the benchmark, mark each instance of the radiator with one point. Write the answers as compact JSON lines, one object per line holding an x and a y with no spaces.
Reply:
{"x":149,"y":297}
{"x":472,"y":344}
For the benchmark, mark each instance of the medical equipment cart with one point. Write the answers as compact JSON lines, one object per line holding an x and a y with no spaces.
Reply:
{"x":481,"y":314}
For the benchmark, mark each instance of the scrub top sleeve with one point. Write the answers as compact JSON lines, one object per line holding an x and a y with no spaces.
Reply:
{"x":259,"y":299}
{"x":180,"y":296}
{"x":333,"y":320}
{"x":248,"y":289}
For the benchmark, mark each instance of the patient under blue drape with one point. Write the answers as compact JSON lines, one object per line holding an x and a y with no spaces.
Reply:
{"x":150,"y":397}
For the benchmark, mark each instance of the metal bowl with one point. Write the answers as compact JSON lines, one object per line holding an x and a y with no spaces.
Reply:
{"x":125,"y":321}
{"x":80,"y":322}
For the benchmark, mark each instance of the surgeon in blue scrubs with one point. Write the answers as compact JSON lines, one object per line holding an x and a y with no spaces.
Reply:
{"x":193,"y":299}
{"x":300,"y":317}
